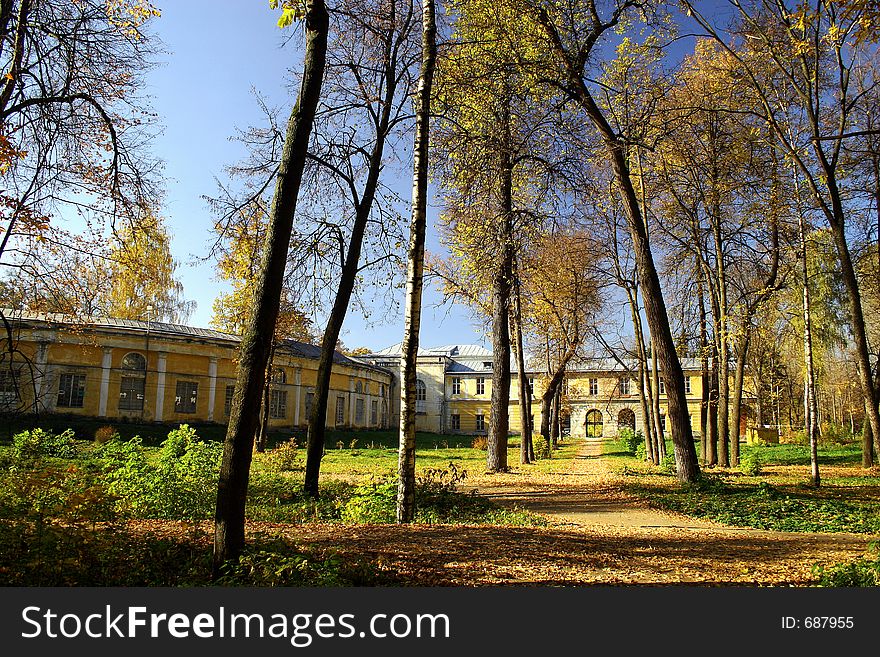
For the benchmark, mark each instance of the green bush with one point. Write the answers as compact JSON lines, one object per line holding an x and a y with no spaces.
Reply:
{"x":540,"y":447}
{"x":667,"y":463}
{"x":864,"y":571}
{"x":750,"y":463}
{"x":182,"y":486}
{"x":35,"y":443}
{"x":284,"y":458}
{"x":629,"y":440}
{"x":373,"y":502}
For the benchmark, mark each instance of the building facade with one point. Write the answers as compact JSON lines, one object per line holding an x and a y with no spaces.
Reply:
{"x":159,"y":372}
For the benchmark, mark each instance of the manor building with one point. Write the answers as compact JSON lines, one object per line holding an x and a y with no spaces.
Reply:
{"x":126,"y":370}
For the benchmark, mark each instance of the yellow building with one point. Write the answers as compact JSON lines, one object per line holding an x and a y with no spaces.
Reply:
{"x":158,"y":372}
{"x":454,"y":392}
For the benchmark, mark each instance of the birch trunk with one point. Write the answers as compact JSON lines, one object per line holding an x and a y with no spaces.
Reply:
{"x":406,"y":460}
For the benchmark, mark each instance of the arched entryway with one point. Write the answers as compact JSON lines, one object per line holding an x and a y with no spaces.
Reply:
{"x":626,"y":418}
{"x":594,"y":424}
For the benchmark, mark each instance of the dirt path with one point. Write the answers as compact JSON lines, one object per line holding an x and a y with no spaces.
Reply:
{"x":596,"y":535}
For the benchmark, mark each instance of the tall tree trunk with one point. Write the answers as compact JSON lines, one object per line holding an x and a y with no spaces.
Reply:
{"x":645,"y":397}
{"x":347,"y":278}
{"x":525,"y":397}
{"x":739,"y":376}
{"x":499,"y":423}
{"x":810,"y":408}
{"x":263,"y":434}
{"x":712,"y":415}
{"x":652,"y":293}
{"x":660,"y":444}
{"x":256,"y":342}
{"x":704,"y":372}
{"x":554,"y":426}
{"x":406,"y":460}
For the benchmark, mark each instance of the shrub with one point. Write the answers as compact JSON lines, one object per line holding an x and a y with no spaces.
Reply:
{"x":34,"y":443}
{"x":541,"y":447}
{"x":642,"y":451}
{"x":183,"y":486}
{"x":864,"y":571}
{"x":480,"y":442}
{"x":750,"y":463}
{"x":629,"y":440}
{"x":105,"y":434}
{"x":373,"y":502}
{"x":667,"y":463}
{"x":284,"y":458}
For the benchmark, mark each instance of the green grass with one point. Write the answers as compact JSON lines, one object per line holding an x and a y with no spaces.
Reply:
{"x":778,"y":501}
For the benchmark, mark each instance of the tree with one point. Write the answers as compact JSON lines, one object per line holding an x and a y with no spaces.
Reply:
{"x":142,"y":270}
{"x":239,"y":251}
{"x":256,"y":342}
{"x":496,"y":165}
{"x":576,"y":37}
{"x":406,"y":467}
{"x":562,"y":296}
{"x":74,"y":129}
{"x":372,"y":60}
{"x":800,"y":63}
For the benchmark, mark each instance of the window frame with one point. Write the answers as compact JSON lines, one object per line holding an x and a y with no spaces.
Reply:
{"x":67,"y":400}
{"x":186,"y":403}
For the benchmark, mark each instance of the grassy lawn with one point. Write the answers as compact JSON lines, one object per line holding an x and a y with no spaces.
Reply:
{"x":775,"y":495}
{"x":90,"y":504}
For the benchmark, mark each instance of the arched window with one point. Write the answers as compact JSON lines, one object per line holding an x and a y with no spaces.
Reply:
{"x":358,"y":387}
{"x":626,"y":418}
{"x":421,"y":396}
{"x":594,"y":424}
{"x":134,"y":361}
{"x":132,"y":383}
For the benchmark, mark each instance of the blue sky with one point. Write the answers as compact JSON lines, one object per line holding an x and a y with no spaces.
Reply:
{"x":218,"y":52}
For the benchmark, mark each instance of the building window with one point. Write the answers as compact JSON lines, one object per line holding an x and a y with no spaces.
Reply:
{"x":663,"y":423}
{"x":455,"y":422}
{"x":359,"y":388}
{"x":340,"y":411}
{"x":278,"y":404}
{"x":481,"y":386}
{"x":487,"y":365}
{"x":359,"y":412}
{"x":310,"y":399}
{"x":687,"y":385}
{"x":421,"y":396}
{"x":227,"y":404}
{"x":279,"y":375}
{"x":531,"y":386}
{"x":624,"y":385}
{"x":186,"y":397}
{"x":382,"y":390}
{"x":131,"y":393}
{"x":481,"y":422}
{"x":374,"y":413}
{"x":594,"y":423}
{"x":131,"y":386}
{"x":72,"y":390}
{"x":662,"y":386}
{"x":594,"y":387}
{"x":9,"y":395}
{"x":456,"y":385}
{"x":135,"y":362}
